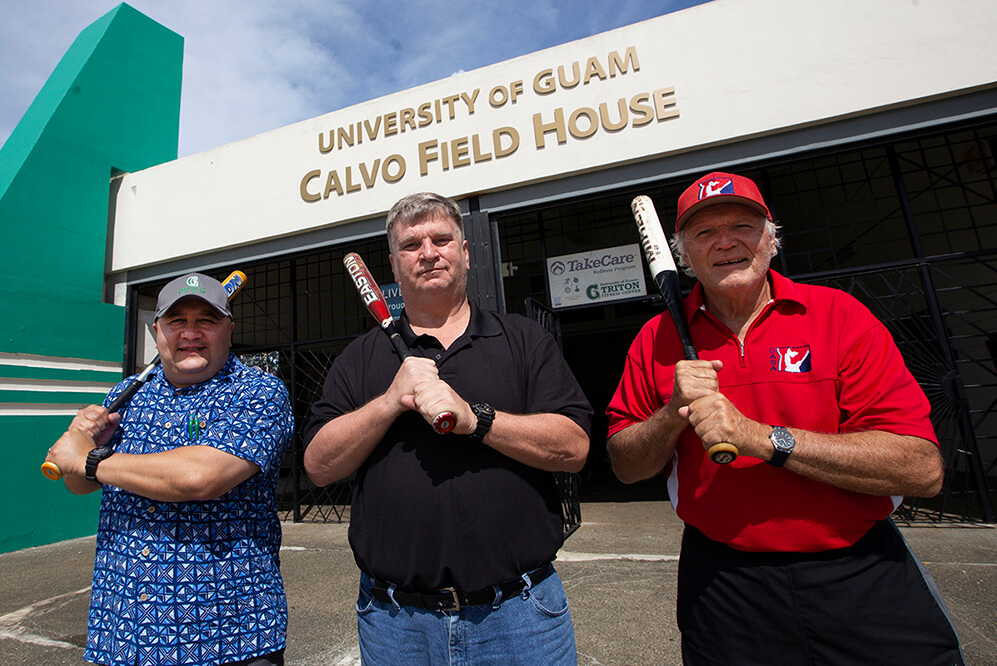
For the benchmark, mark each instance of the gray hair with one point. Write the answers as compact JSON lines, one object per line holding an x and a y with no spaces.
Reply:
{"x":678,"y":245}
{"x":420,"y":205}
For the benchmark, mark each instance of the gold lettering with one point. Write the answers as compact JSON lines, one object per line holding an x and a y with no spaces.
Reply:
{"x":459,"y":150}
{"x":425,"y":115}
{"x":303,"y":187}
{"x":408,"y":119}
{"x":476,"y":149}
{"x":593,"y":68}
{"x":642,"y":110}
{"x":343,"y":137}
{"x":390,"y":124}
{"x":593,"y":119}
{"x":604,"y":116}
{"x":512,"y":133}
{"x":543,"y":82}
{"x":557,"y":126}
{"x":372,"y":131}
{"x":386,"y":174}
{"x":369,"y":178}
{"x":574,"y":73}
{"x":616,"y":64}
{"x":664,"y":103}
{"x":469,"y":100}
{"x":322,"y":148}
{"x":449,"y":101}
{"x":350,"y":185}
{"x":428,"y":152}
{"x":498,"y":96}
{"x":332,"y":183}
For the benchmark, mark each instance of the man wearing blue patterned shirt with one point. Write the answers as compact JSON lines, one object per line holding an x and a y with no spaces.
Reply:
{"x":187,"y":564}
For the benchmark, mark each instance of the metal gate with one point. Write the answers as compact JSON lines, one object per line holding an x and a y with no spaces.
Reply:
{"x":303,"y":372}
{"x":951,"y":355}
{"x":909,"y":226}
{"x":567,"y":483}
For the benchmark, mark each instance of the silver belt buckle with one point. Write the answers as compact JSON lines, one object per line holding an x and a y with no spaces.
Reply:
{"x":453,"y":594}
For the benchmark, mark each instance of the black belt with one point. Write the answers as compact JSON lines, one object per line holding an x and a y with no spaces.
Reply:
{"x":451,"y":599}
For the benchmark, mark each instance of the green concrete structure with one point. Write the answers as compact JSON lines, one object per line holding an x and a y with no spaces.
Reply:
{"x":111,"y":105}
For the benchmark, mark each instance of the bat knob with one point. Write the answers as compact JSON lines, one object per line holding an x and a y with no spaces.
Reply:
{"x":51,"y":470}
{"x":444,"y":422}
{"x":722,"y":453}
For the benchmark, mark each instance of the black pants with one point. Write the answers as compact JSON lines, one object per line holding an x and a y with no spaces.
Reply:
{"x":871,"y":603}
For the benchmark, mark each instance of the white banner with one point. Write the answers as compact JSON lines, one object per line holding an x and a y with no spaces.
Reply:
{"x":593,"y":278}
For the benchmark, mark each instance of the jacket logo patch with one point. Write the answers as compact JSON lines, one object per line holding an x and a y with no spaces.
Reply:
{"x":791,"y":359}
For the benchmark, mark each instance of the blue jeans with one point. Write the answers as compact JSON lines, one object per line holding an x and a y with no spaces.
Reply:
{"x":532,"y":628}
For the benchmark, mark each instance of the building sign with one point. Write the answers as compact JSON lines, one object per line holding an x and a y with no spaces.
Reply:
{"x":393,"y":297}
{"x":658,"y":88}
{"x":573,"y":108}
{"x":593,"y":278}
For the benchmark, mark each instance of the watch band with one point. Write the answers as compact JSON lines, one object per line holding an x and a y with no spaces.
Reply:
{"x":93,"y":459}
{"x":485,"y":414}
{"x":784,"y":443}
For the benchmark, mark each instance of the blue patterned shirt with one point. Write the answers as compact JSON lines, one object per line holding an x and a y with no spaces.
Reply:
{"x":194,"y":582}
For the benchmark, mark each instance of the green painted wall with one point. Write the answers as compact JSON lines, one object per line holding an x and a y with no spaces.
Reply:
{"x":112,"y":103}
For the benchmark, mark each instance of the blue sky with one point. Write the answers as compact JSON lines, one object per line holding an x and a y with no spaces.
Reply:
{"x":251,"y":66}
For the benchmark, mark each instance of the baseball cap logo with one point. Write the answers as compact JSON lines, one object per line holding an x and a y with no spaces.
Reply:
{"x":716,"y":186}
{"x":192,"y":281}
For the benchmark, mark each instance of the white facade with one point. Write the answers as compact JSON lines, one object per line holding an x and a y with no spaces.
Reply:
{"x":717,"y":74}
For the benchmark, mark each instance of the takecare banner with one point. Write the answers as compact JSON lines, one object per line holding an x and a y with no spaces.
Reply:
{"x":593,"y":278}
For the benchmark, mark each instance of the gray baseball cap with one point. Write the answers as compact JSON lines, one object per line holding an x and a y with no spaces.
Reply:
{"x":193,"y":285}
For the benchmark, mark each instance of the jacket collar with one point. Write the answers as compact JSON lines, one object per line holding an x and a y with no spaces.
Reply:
{"x":784,"y":290}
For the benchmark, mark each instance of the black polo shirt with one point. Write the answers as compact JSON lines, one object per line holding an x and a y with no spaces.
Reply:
{"x":432,"y":511}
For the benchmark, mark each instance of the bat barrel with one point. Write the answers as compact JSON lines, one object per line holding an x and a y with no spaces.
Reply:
{"x":662,"y":265}
{"x":373,"y":299}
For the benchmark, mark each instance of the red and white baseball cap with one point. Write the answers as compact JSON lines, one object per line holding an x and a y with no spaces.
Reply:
{"x":717,"y":188}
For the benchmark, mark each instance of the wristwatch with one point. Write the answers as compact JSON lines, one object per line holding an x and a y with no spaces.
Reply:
{"x":784,"y":444}
{"x":485,"y":414}
{"x":94,"y":458}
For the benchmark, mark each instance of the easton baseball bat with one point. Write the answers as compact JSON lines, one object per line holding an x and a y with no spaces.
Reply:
{"x":659,"y":258}
{"x":372,"y":297}
{"x":233,"y":283}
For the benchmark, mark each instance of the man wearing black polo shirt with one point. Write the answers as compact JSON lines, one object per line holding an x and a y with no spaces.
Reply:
{"x":454,"y":534}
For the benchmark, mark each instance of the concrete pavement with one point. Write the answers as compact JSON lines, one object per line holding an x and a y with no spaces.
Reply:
{"x":619,"y":571}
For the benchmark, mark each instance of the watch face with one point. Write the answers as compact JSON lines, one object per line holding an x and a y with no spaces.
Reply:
{"x":485,"y":414}
{"x":102,"y":452}
{"x":93,"y":459}
{"x":783,"y":440}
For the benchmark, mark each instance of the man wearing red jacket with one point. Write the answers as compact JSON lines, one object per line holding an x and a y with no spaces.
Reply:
{"x":788,"y":555}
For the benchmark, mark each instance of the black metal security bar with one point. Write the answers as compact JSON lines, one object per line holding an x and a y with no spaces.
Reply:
{"x":909,"y":226}
{"x":567,"y":483}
